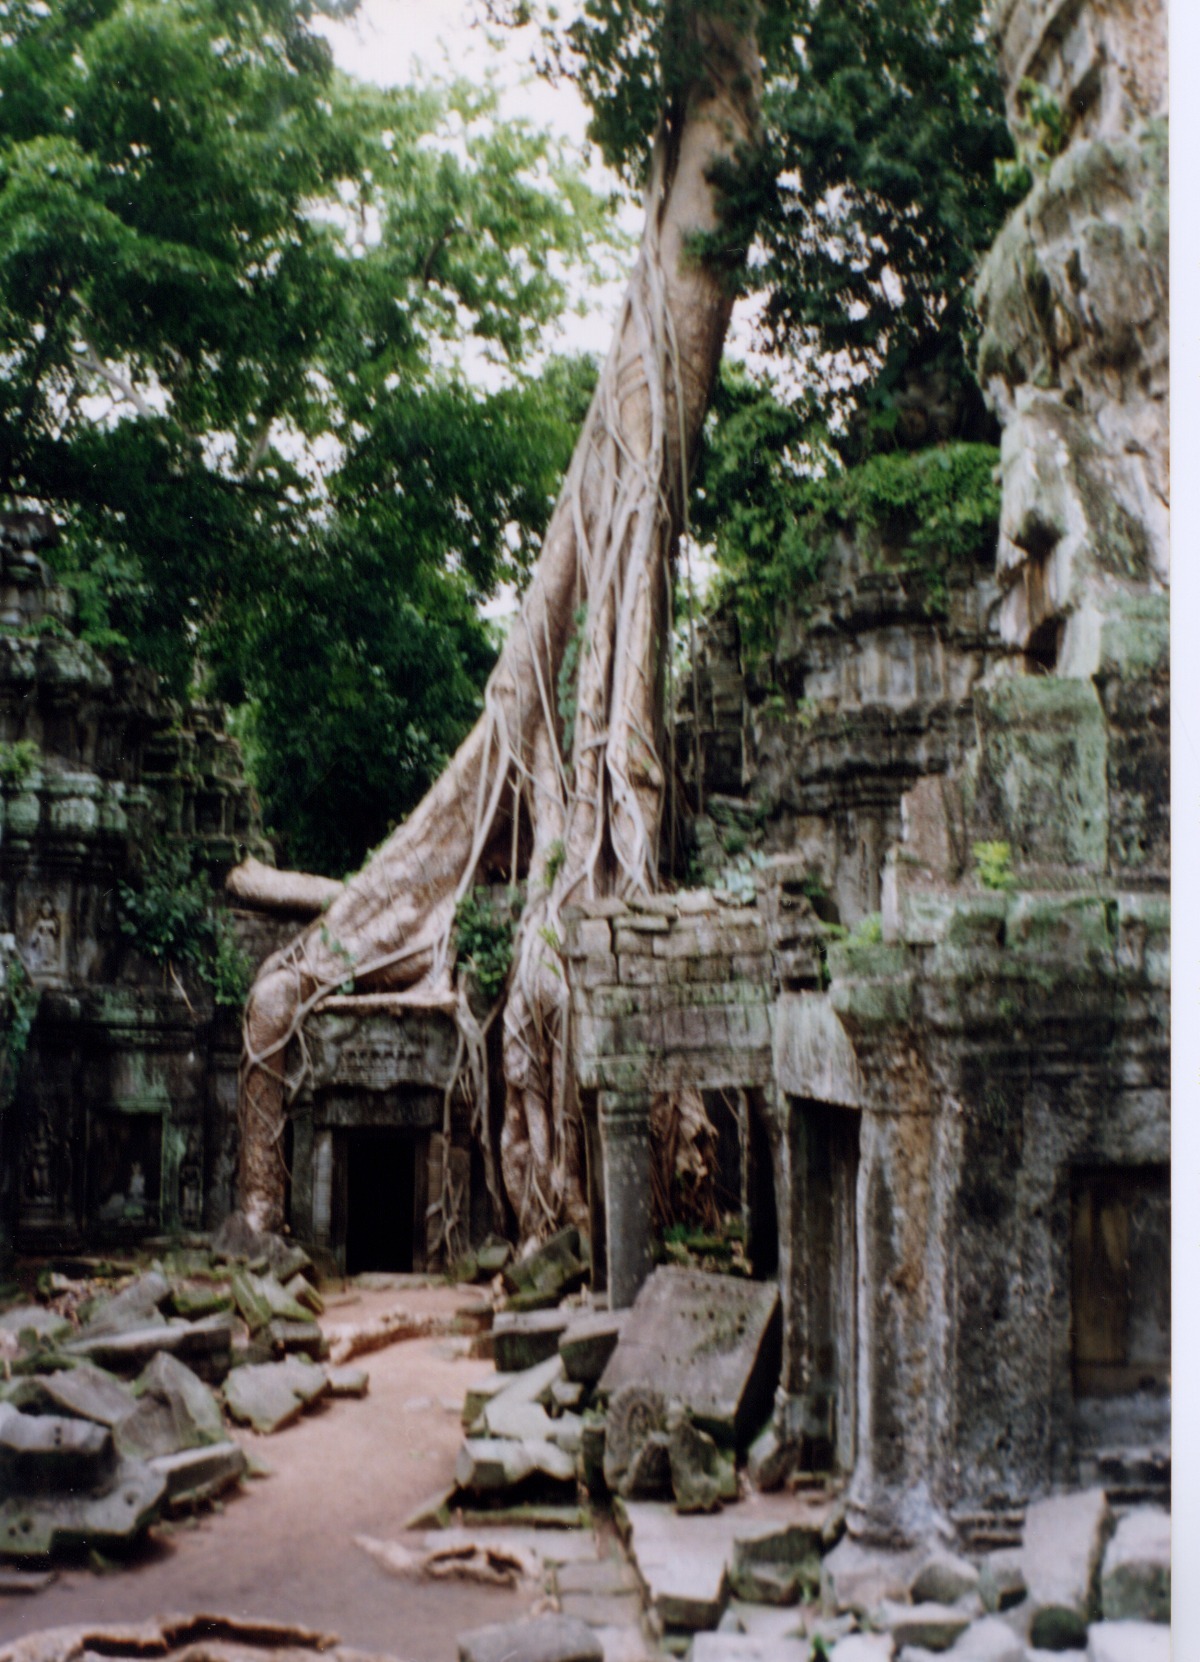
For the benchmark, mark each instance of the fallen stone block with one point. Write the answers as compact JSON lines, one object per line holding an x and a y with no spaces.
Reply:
{"x":1060,"y":1555}
{"x":541,"y":1639}
{"x":863,"y":1647}
{"x":522,"y":1339}
{"x":1135,"y":1579}
{"x":505,"y":1418}
{"x":135,"y":1306}
{"x":32,"y":1318}
{"x":273,"y":1395}
{"x":1128,"y":1642}
{"x":46,"y":1453}
{"x":478,"y":1396}
{"x":932,"y":1627}
{"x":637,"y":1418}
{"x":556,"y":1268}
{"x":195,"y":1475}
{"x":25,"y":1581}
{"x":206,"y":1346}
{"x":118,"y":1509}
{"x":567,"y":1394}
{"x":298,"y":1338}
{"x":175,"y":1410}
{"x":709,"y":1341}
{"x":87,"y":1392}
{"x":701,"y":1475}
{"x":943,"y":1578}
{"x":492,"y":1257}
{"x":488,"y":1464}
{"x":744,"y":1647}
{"x":681,"y":1562}
{"x":857,"y":1577}
{"x":778,"y":1566}
{"x":302,"y":1292}
{"x":988,"y":1640}
{"x":1001,"y":1579}
{"x":769,"y":1461}
{"x":195,"y":1302}
{"x":588,"y":1343}
{"x":348,"y":1382}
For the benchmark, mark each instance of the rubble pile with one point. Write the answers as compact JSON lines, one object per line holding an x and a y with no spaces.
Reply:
{"x":116,"y":1391}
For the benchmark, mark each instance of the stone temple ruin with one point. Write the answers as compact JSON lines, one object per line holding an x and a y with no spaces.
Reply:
{"x":930,"y":1023}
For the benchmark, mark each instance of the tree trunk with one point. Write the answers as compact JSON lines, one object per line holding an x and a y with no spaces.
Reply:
{"x":569,"y":820}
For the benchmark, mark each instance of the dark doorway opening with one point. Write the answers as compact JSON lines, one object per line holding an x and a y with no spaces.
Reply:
{"x":1120,"y":1280}
{"x":380,"y":1200}
{"x":828,"y":1166}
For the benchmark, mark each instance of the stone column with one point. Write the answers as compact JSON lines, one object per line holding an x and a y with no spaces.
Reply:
{"x":625,"y":1141}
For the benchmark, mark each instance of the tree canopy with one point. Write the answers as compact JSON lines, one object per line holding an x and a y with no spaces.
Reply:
{"x":868,"y":201}
{"x":235,"y":288}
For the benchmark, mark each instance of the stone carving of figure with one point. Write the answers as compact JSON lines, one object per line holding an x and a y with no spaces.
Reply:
{"x":135,"y":1205}
{"x":44,"y":948}
{"x":39,"y":1166}
{"x":191,"y":1184}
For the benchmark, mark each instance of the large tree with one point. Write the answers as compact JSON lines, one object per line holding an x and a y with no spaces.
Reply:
{"x":866,"y":240}
{"x":234,"y":290}
{"x":561,"y":783}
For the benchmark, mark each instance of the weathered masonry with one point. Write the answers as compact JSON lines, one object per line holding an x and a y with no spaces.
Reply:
{"x":122,"y":1120}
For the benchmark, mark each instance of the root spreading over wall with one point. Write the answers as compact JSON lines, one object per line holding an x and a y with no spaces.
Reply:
{"x":561,"y":783}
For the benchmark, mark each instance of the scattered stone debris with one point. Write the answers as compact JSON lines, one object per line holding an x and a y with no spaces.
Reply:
{"x":710,"y":1341}
{"x":542,"y":1639}
{"x":175,"y":1638}
{"x":544,"y":1278}
{"x":64,"y":1484}
{"x":494,"y":1563}
{"x":109,"y":1412}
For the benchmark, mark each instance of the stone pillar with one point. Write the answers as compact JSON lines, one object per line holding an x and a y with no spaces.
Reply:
{"x":625,"y":1141}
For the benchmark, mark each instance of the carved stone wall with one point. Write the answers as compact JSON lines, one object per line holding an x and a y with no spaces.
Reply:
{"x":122,"y":1119}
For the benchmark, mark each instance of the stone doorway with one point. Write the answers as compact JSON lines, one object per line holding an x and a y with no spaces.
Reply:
{"x":1121,"y":1303}
{"x":827,"y":1139}
{"x":378,"y":1188}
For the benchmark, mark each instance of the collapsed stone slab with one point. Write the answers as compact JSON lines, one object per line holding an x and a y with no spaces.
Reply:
{"x":588,"y":1343}
{"x":196,"y":1475}
{"x":542,"y":1639}
{"x":64,"y":1485}
{"x":1135,"y":1580}
{"x":173,"y":1410}
{"x":1128,"y":1642}
{"x":522,"y":1339}
{"x":708,"y":1341}
{"x":206,"y":1346}
{"x":1060,"y":1557}
{"x":85,"y":1391}
{"x":744,"y":1647}
{"x":271,"y":1395}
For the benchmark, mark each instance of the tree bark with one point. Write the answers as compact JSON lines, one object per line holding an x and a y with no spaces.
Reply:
{"x":569,"y":822}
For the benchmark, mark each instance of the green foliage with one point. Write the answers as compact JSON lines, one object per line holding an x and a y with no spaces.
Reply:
{"x":868,"y":931}
{"x":1045,"y":124}
{"x":18,"y":1007}
{"x":340,"y":950}
{"x":484,"y":941}
{"x":169,"y":916}
{"x":236,"y":292}
{"x":720,"y":1251}
{"x":567,"y":687}
{"x":993,"y":865}
{"x":870,"y":197}
{"x":773,"y":523}
{"x":17,"y":761}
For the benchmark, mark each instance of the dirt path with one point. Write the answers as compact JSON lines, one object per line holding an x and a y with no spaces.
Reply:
{"x":284,"y":1546}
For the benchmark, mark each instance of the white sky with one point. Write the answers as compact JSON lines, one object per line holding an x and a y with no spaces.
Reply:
{"x":386,"y":39}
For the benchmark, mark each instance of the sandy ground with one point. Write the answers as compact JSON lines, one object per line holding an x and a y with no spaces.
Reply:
{"x":284,"y":1547}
